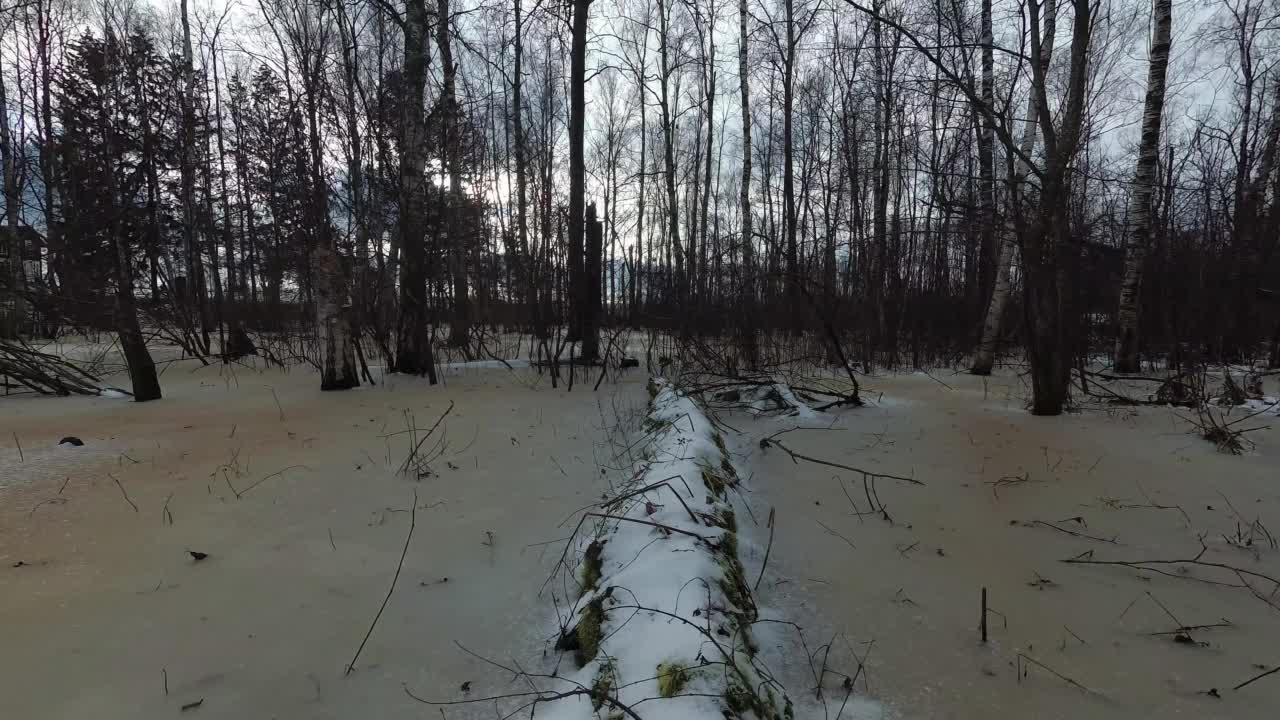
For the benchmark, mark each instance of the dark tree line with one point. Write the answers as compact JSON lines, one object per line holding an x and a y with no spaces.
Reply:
{"x":891,"y":183}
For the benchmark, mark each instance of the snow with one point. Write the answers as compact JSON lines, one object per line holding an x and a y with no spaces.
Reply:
{"x":776,"y":397}
{"x":265,"y":626}
{"x":908,"y":595}
{"x":661,"y":591}
{"x":114,"y":394}
{"x":799,"y":409}
{"x":299,"y":565}
{"x":1262,"y":406}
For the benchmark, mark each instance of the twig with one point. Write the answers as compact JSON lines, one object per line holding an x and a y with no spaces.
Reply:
{"x":122,"y":492}
{"x":558,"y":467}
{"x":1060,"y":676}
{"x":767,"y":548}
{"x":1086,"y":558}
{"x":1259,"y":676}
{"x":982,"y":623}
{"x":833,"y":532}
{"x":660,"y":526}
{"x":1166,"y":610}
{"x":1008,"y":480}
{"x":1183,"y":629}
{"x":413,"y":521}
{"x":21,"y":457}
{"x":1061,"y":529}
{"x":538,"y":697}
{"x":278,"y":407}
{"x":266,"y":478}
{"x":413,"y":453}
{"x":655,"y":486}
{"x":1074,"y":635}
{"x":768,"y":442}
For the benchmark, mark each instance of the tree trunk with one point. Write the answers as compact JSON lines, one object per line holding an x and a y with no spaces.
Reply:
{"x":579,"y":281}
{"x":413,"y":346}
{"x":458,"y":228}
{"x":1049,"y":249}
{"x":337,"y":350}
{"x":522,"y":178}
{"x":142,"y":370}
{"x":669,"y":157}
{"x":13,"y":243}
{"x":1127,"y":360}
{"x":193,"y":298}
{"x":362,"y":296}
{"x":593,"y":251}
{"x":986,"y":153}
{"x":879,"y":191}
{"x":231,"y":310}
{"x":793,"y":279}
{"x":1249,"y":231}
{"x":747,"y":319}
{"x":641,"y":264}
{"x":984,"y":357}
{"x":337,"y":353}
{"x":706,"y":187}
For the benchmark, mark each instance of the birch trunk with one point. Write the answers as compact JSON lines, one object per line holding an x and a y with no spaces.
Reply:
{"x":984,"y":357}
{"x":333,"y":326}
{"x":1127,"y":359}
{"x":522,"y":181}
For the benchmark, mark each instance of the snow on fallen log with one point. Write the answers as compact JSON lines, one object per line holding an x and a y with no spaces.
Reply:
{"x":764,"y":398}
{"x":661,"y":624}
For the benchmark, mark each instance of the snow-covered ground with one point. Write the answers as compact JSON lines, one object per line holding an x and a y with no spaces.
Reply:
{"x":294,"y":496}
{"x":905,"y":595}
{"x":106,"y":615}
{"x":659,"y":611}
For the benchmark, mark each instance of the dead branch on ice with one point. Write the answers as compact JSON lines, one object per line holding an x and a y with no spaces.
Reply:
{"x":1022,"y":673}
{"x":770,"y":441}
{"x":413,"y":522}
{"x":1181,"y":569}
{"x":122,"y":492}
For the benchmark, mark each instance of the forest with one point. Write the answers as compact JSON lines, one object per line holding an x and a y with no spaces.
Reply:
{"x":901,"y":184}
{"x":690,"y":359}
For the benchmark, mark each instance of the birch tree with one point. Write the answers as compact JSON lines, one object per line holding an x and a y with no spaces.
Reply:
{"x":1145,"y":185}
